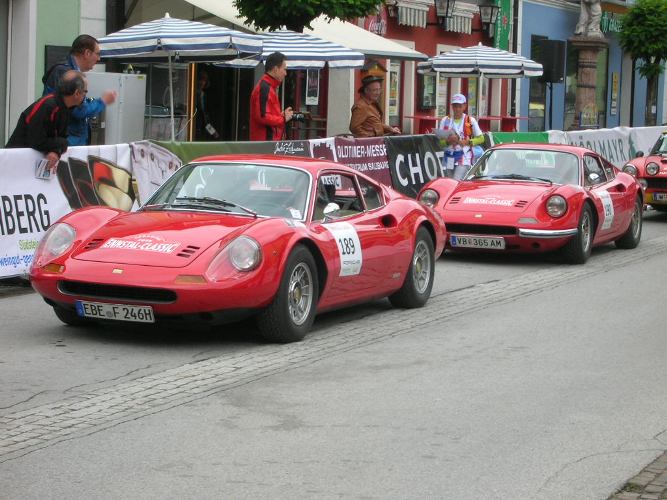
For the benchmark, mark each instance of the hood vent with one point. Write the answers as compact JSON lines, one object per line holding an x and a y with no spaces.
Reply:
{"x":521,"y":203}
{"x":455,"y":200}
{"x":94,"y":243}
{"x":188,"y":251}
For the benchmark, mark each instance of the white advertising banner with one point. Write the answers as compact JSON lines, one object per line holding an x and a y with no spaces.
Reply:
{"x":87,"y":175}
{"x":618,"y":145}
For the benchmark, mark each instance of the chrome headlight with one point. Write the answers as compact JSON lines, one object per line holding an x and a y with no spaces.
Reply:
{"x":57,"y":240}
{"x":652,"y":168}
{"x":556,"y":206}
{"x":429,"y":197}
{"x":630,"y":169}
{"x":244,"y":253}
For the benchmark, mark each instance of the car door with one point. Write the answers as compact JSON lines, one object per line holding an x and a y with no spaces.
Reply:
{"x":607,"y":195}
{"x":363,"y":237}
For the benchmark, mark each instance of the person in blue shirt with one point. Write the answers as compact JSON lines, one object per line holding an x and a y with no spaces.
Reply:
{"x":83,"y":56}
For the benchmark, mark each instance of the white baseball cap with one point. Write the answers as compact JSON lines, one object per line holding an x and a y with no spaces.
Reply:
{"x":458,"y":99}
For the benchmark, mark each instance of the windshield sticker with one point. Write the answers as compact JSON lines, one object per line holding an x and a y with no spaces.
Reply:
{"x":608,"y":207}
{"x":143,"y":243}
{"x":349,"y":247}
{"x":489,"y":200}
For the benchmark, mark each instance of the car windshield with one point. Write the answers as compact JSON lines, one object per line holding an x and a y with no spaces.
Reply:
{"x":527,"y":164}
{"x":239,"y":188}
{"x":660,"y":147}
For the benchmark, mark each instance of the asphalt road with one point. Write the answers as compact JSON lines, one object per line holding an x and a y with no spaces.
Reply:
{"x":521,"y":378}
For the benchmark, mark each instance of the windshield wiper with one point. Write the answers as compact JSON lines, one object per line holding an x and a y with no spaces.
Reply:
{"x":521,"y":177}
{"x":215,"y":202}
{"x":154,"y":206}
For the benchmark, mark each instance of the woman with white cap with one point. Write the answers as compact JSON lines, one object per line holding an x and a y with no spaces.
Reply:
{"x":469,"y":135}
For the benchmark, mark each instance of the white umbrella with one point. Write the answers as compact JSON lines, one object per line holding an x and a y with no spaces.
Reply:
{"x":182,"y":40}
{"x":480,"y":60}
{"x":303,"y":51}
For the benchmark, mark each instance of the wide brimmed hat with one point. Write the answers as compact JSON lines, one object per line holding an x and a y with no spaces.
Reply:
{"x":367,"y":80}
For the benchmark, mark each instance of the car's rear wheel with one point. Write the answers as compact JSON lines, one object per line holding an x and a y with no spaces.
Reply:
{"x":418,"y":283}
{"x":578,"y":249}
{"x":291,"y":314}
{"x":631,"y":237}
{"x":68,"y":316}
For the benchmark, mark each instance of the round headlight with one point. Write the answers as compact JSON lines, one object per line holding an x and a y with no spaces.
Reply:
{"x":429,"y":197}
{"x":630,"y":169}
{"x":244,"y":253}
{"x":556,"y":206}
{"x":652,"y":168}
{"x":57,"y":240}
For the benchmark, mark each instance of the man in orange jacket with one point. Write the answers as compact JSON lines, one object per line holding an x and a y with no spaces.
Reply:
{"x":267,"y":121}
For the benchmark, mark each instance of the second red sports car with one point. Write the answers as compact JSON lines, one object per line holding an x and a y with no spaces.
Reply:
{"x":651,"y":172}
{"x":536,"y":198}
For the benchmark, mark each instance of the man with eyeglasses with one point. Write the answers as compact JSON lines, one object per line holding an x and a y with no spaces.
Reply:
{"x":43,"y":124}
{"x":83,"y":56}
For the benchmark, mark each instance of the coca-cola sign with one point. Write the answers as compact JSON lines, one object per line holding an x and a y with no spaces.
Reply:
{"x":378,"y":23}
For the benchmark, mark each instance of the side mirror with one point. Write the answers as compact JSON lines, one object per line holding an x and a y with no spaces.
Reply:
{"x":639,"y":154}
{"x":331,"y":208}
{"x":593,"y":177}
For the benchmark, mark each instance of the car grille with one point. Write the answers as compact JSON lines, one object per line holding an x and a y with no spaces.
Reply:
{"x":653,"y":183}
{"x":480,"y":229}
{"x":128,"y":293}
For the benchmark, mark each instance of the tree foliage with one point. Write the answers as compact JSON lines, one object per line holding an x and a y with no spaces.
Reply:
{"x":644,"y":35}
{"x":297,"y":14}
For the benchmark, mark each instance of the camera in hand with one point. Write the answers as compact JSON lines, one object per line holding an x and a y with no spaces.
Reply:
{"x":299,"y":117}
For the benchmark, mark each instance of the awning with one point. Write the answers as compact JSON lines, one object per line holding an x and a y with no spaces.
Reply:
{"x":412,"y":14}
{"x":336,"y":31}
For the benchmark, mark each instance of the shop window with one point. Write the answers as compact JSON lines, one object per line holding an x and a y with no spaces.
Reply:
{"x":442,"y":95}
{"x":427,"y":90}
{"x":571,"y":88}
{"x":394,"y":108}
{"x":537,"y":95}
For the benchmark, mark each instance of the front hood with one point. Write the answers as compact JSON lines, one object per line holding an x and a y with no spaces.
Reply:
{"x":496,"y":196}
{"x":164,"y":239}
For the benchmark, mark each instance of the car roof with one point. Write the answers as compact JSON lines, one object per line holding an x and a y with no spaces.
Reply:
{"x":312,"y":165}
{"x":545,"y":146}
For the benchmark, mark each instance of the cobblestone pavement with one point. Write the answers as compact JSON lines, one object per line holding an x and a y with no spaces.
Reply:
{"x":26,"y":431}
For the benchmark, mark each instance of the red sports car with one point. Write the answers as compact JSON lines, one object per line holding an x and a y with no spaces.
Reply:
{"x":651,"y":171}
{"x":539,"y":197}
{"x":228,"y":236}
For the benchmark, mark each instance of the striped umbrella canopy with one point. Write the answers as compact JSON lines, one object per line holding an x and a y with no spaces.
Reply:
{"x":303,"y":51}
{"x":180,"y":40}
{"x":480,"y":60}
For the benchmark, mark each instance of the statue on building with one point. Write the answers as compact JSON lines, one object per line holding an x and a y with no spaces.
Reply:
{"x":589,"y":19}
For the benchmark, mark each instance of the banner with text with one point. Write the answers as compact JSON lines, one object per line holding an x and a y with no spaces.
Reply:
{"x":413,"y":161}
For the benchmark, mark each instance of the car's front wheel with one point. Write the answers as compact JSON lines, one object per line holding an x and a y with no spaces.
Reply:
{"x":291,"y":314}
{"x":578,"y":249}
{"x":631,"y":237}
{"x":418,"y":283}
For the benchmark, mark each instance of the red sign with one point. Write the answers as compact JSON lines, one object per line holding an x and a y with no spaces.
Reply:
{"x":378,"y":23}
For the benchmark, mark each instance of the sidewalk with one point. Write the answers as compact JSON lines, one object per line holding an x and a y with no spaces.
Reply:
{"x":649,"y":484}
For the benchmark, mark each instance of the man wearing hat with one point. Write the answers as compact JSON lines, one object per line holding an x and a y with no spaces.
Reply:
{"x":366,"y":118}
{"x":469,"y":135}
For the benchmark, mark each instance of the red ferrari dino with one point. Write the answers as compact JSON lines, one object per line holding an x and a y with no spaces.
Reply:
{"x":536,"y":198}
{"x":229,"y":236}
{"x":651,"y":171}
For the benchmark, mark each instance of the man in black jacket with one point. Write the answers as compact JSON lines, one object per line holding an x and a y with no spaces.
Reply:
{"x":43,"y":124}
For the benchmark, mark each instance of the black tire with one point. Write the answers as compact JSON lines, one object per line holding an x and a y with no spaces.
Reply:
{"x":418,"y":283}
{"x":291,"y":314}
{"x":631,"y":237}
{"x":68,"y":316}
{"x":578,"y":249}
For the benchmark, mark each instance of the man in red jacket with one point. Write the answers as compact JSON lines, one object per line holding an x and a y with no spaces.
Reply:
{"x":267,"y":121}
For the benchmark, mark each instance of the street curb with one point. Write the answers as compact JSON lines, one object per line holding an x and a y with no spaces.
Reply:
{"x":649,"y":484}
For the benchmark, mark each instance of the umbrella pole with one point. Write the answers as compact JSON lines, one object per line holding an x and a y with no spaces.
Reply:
{"x":171,"y":100}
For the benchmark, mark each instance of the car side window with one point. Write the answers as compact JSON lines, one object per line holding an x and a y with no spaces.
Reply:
{"x":337,"y":196}
{"x":372,"y":194}
{"x":609,"y":170}
{"x":593,"y":171}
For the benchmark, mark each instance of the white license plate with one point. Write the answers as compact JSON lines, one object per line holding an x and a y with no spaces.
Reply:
{"x":118,"y":312}
{"x":660,"y":196}
{"x":456,"y":240}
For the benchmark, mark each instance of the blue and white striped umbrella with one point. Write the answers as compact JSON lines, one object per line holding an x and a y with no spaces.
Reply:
{"x":480,"y":60}
{"x":186,"y":41}
{"x":303,"y":51}
{"x":179,"y":39}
